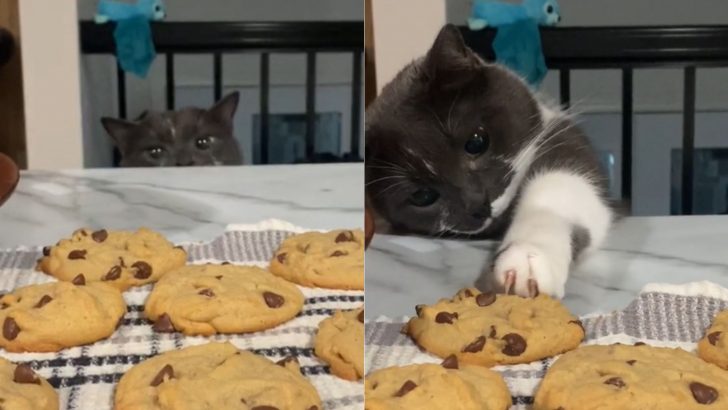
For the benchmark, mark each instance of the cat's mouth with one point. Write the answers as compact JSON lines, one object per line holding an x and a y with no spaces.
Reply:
{"x":479,"y":230}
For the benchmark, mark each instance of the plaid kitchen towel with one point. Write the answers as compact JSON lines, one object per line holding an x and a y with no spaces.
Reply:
{"x":85,"y":377}
{"x":662,"y":315}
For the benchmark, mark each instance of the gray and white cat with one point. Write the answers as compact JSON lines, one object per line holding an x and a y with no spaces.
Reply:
{"x":457,"y":146}
{"x":186,"y":137}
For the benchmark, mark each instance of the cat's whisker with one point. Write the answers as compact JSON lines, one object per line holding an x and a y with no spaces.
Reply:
{"x":390,"y":187}
{"x":385,"y":178}
{"x":449,"y":112}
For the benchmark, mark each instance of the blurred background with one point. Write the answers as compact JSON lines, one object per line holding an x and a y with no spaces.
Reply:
{"x":298,"y":67}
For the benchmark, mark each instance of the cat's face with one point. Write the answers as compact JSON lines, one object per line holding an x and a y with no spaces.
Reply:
{"x":187,"y":137}
{"x":441,"y":140}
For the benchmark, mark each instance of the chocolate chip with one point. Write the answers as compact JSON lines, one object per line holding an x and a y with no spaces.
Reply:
{"x":492,"y":332}
{"x":640,"y":344}
{"x":313,"y":408}
{"x":206,"y":292}
{"x":265,"y":408}
{"x":273,"y":300}
{"x":476,"y":346}
{"x":43,"y":301}
{"x":179,"y":247}
{"x":515,"y":344}
{"x":167,"y":370}
{"x":616,"y":381}
{"x":218,"y":277}
{"x":281,"y":257}
{"x":713,"y":338}
{"x":143,"y":270}
{"x":485,"y":299}
{"x":703,"y":394}
{"x":578,"y":323}
{"x":418,"y":309}
{"x":163,"y":324}
{"x":46,"y":251}
{"x":10,"y":329}
{"x":631,"y":362}
{"x":468,"y":293}
{"x":360,"y":316}
{"x":25,"y":375}
{"x":100,"y":235}
{"x":121,"y":262}
{"x":287,"y":359}
{"x":225,"y":263}
{"x":407,"y":387}
{"x":338,"y":253}
{"x":446,"y":317}
{"x":113,"y":274}
{"x":79,"y":280}
{"x":346,"y":236}
{"x":450,"y":362}
{"x":77,"y":254}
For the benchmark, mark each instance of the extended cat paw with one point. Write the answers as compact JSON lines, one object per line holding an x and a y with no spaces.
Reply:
{"x":528,"y":269}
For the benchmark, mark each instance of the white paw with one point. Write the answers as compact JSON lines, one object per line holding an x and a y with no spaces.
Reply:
{"x":528,"y":269}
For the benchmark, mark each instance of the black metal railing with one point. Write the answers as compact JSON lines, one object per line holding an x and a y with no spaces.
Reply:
{"x":265,"y":38}
{"x":628,"y":49}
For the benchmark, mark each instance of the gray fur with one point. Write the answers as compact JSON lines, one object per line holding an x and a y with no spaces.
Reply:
{"x":417,"y":128}
{"x":178,"y":138}
{"x":580,"y":240}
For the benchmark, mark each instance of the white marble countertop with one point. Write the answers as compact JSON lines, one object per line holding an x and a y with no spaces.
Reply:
{"x":402,"y":272}
{"x":186,"y":204}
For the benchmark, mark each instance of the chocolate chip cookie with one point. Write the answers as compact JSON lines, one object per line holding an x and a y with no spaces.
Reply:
{"x":22,"y":389}
{"x":215,"y":376}
{"x":52,"y":316}
{"x":119,"y":258}
{"x":329,"y":260}
{"x":209,"y":299}
{"x":632,"y":378}
{"x":489,"y":329}
{"x":713,"y":347}
{"x":340,"y":343}
{"x":430,"y":386}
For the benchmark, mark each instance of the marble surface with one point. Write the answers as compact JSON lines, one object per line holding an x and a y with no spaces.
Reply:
{"x":404,"y":271}
{"x":187,"y":204}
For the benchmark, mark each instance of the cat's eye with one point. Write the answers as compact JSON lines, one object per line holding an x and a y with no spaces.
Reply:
{"x":424,"y":197}
{"x":203,"y":143}
{"x":155,"y":152}
{"x":477,"y":143}
{"x":549,"y":9}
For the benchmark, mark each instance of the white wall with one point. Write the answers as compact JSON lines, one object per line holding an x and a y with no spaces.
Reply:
{"x":51,"y":84}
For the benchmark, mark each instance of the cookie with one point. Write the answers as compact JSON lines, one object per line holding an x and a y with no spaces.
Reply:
{"x":52,"y":316}
{"x":329,"y":260}
{"x":430,"y":386}
{"x":209,"y":299}
{"x":120,"y":258}
{"x":488,"y":329}
{"x":340,"y":343}
{"x":215,"y":376}
{"x":632,"y":378}
{"x":22,"y":389}
{"x":713,"y":347}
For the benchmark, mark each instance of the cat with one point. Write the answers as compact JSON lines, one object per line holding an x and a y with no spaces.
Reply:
{"x":186,"y":137}
{"x":458,"y":146}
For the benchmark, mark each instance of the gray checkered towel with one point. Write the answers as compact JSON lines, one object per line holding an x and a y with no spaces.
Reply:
{"x":662,"y":315}
{"x":85,"y":376}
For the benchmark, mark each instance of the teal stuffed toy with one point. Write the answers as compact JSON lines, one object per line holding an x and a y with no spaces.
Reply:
{"x":133,"y":35}
{"x":517,"y":44}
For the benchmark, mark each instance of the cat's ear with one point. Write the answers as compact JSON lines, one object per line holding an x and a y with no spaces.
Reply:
{"x":119,"y":130}
{"x":449,"y":63}
{"x":225,"y":108}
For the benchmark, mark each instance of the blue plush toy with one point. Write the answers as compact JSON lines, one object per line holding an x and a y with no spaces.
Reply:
{"x":110,"y":10}
{"x":517,"y":44}
{"x":133,"y":35}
